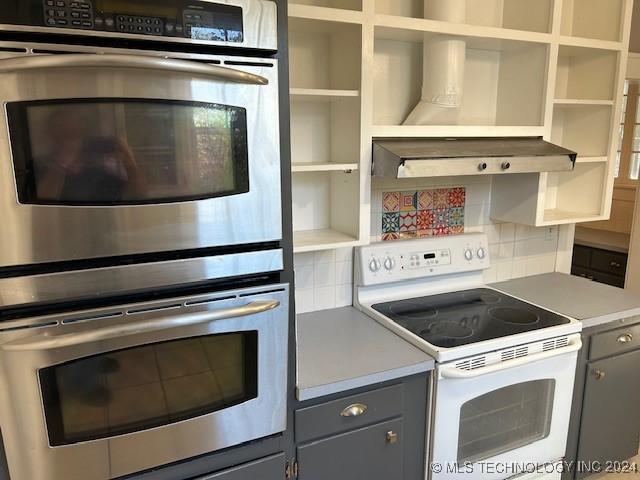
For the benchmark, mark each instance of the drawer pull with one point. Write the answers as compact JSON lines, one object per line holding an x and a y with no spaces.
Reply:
{"x":625,"y":338}
{"x":354,"y":410}
{"x":599,"y":374}
{"x":392,"y":437}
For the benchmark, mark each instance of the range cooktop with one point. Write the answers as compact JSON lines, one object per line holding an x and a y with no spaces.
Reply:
{"x":460,"y":318}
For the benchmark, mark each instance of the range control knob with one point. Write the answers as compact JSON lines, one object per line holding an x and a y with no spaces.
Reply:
{"x":374,"y":265}
{"x":481,"y":253}
{"x":390,"y":263}
{"x":468,"y":254}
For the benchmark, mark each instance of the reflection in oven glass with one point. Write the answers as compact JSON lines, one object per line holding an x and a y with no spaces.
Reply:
{"x":505,"y":419}
{"x":143,"y":387}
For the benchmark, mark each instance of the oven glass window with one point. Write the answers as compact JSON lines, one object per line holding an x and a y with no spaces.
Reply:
{"x":505,"y":419}
{"x":144,"y":387}
{"x":127,"y":152}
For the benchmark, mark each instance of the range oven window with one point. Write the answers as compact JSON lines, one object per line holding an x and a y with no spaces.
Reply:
{"x":149,"y":386}
{"x":505,"y":419}
{"x":127,"y":152}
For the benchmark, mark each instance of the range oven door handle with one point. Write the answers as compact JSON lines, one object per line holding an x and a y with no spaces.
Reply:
{"x":48,"y":62}
{"x":43,"y":342}
{"x":452,"y":372}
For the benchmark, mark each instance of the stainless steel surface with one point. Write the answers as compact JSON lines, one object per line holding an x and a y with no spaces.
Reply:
{"x":392,"y":437}
{"x":22,"y":416}
{"x":54,"y":233}
{"x":445,"y":157}
{"x":355,"y":410}
{"x":99,"y":282}
{"x":46,"y":342}
{"x":625,"y":338}
{"x":259,"y":20}
{"x":123,"y":61}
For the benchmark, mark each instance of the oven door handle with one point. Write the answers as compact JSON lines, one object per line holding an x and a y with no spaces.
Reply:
{"x":452,"y":372}
{"x":44,"y":342}
{"x":48,"y":62}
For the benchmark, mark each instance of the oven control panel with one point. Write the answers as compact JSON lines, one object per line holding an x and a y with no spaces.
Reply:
{"x":404,"y":260}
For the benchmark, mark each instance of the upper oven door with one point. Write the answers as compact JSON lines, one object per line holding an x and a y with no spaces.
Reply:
{"x":105,"y":155}
{"x":98,"y":395}
{"x":490,"y":421}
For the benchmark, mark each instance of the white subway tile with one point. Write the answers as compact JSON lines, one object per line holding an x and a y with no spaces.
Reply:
{"x":324,"y":298}
{"x":505,"y":271}
{"x":344,"y":254}
{"x":507,"y":232}
{"x":344,"y":295}
{"x":304,"y":301}
{"x":304,"y":277}
{"x":324,"y":275}
{"x":506,"y":251}
{"x":327,"y":256}
{"x":344,"y":273}
{"x":303,"y":259}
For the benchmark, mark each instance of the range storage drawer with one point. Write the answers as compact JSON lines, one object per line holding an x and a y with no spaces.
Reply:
{"x":614,"y":342}
{"x":349,"y":413}
{"x":270,"y":468}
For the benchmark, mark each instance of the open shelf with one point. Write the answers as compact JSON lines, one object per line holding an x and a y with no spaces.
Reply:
{"x":326,"y":210}
{"x":527,"y":15}
{"x":585,"y":129}
{"x":324,"y":55}
{"x":575,"y":196}
{"x":322,"y":95}
{"x":598,"y":19}
{"x":332,"y":14}
{"x":335,"y":4}
{"x":505,"y":80}
{"x":323,"y":167}
{"x":586,"y":74}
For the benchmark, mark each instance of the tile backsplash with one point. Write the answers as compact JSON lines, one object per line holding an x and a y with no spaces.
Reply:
{"x":324,"y":279}
{"x":423,"y":213}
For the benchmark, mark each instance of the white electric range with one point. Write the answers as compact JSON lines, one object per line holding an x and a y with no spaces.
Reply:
{"x":503,"y":384}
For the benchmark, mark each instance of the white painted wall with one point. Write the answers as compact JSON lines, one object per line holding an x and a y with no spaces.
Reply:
{"x":324,"y":279}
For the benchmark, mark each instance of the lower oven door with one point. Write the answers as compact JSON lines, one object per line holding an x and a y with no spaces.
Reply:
{"x":102,"y":394}
{"x":497,"y":421}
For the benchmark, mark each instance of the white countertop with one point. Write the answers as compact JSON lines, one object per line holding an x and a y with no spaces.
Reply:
{"x":590,"y":302}
{"x":343,"y":349}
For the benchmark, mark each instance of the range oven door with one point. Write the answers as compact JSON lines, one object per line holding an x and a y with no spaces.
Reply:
{"x":117,"y":154}
{"x":100,"y":394}
{"x":497,"y":421}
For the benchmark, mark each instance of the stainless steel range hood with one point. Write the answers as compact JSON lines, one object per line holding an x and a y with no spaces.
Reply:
{"x":439,"y":157}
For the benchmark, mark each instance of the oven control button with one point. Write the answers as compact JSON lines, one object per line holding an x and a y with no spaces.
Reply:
{"x":390,"y":263}
{"x":374,"y":265}
{"x":481,"y":253}
{"x":468,"y":254}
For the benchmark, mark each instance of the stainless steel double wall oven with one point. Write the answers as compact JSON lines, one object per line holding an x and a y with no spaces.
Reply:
{"x":143,"y":319}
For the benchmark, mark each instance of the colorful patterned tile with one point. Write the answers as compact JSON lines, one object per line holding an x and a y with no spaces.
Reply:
{"x":425,"y":219}
{"x":408,"y":221}
{"x":408,"y":201}
{"x":391,"y":202}
{"x":425,"y":200}
{"x":457,"y":197}
{"x":456,"y":216}
{"x":390,"y":236}
{"x":441,"y":198}
{"x":441,"y":218}
{"x":456,"y":229}
{"x":425,"y":233}
{"x":441,"y":231}
{"x":390,"y":222}
{"x":408,"y":235}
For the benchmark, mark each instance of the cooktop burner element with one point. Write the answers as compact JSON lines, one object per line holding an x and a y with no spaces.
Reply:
{"x":459,"y":318}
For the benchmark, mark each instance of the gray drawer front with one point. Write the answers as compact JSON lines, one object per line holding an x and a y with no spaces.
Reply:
{"x":363,"y":454}
{"x":609,"y":262}
{"x":616,"y":341}
{"x":270,"y":468}
{"x":326,"y":419}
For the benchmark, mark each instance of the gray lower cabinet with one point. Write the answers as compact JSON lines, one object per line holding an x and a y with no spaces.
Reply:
{"x":370,"y":434}
{"x":605,"y":425}
{"x":271,"y":468}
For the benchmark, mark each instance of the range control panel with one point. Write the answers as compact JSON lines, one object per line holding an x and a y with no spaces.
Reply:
{"x":404,"y":260}
{"x":197,"y":20}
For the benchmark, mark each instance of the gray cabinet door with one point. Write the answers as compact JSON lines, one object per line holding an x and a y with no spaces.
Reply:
{"x":271,"y":468}
{"x":364,"y":454}
{"x":610,"y":421}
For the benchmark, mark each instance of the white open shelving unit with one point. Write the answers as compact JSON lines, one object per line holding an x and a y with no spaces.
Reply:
{"x":550,"y":68}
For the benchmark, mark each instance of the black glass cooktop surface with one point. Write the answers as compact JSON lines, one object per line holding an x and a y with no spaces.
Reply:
{"x":460,"y":318}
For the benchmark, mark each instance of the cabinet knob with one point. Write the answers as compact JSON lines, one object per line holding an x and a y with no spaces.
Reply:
{"x":392,"y":437}
{"x":354,"y":410}
{"x":599,"y":374}
{"x":625,"y":338}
